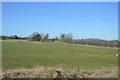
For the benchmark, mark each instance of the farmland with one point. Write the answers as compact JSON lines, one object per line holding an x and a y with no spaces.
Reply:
{"x":21,"y":54}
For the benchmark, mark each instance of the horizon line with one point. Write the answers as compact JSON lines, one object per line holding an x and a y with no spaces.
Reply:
{"x":58,"y":37}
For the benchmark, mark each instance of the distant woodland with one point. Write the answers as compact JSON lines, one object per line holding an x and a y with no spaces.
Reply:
{"x":66,"y":38}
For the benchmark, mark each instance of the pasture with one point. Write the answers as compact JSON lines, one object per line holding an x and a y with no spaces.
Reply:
{"x":24,"y":54}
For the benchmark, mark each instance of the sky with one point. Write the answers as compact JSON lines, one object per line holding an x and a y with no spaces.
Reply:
{"x":82,"y":19}
{"x":60,"y":0}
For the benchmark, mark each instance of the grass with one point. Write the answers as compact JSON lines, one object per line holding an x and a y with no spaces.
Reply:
{"x":50,"y":72}
{"x":21,"y":54}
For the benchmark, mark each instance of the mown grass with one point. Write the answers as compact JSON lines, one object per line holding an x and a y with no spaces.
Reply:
{"x":21,"y":54}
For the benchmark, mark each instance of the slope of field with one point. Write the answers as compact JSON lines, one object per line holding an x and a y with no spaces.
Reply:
{"x":21,"y":54}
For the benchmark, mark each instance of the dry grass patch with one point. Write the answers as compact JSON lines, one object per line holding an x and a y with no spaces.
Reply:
{"x":49,"y":72}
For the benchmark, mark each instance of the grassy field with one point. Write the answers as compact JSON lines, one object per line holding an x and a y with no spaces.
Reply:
{"x":23,"y":54}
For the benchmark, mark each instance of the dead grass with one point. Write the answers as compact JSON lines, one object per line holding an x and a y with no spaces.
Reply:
{"x":49,"y":72}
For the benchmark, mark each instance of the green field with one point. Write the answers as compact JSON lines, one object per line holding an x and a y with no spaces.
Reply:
{"x":21,"y":54}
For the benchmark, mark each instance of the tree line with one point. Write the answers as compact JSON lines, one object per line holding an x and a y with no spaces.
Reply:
{"x":68,"y":38}
{"x":97,"y":42}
